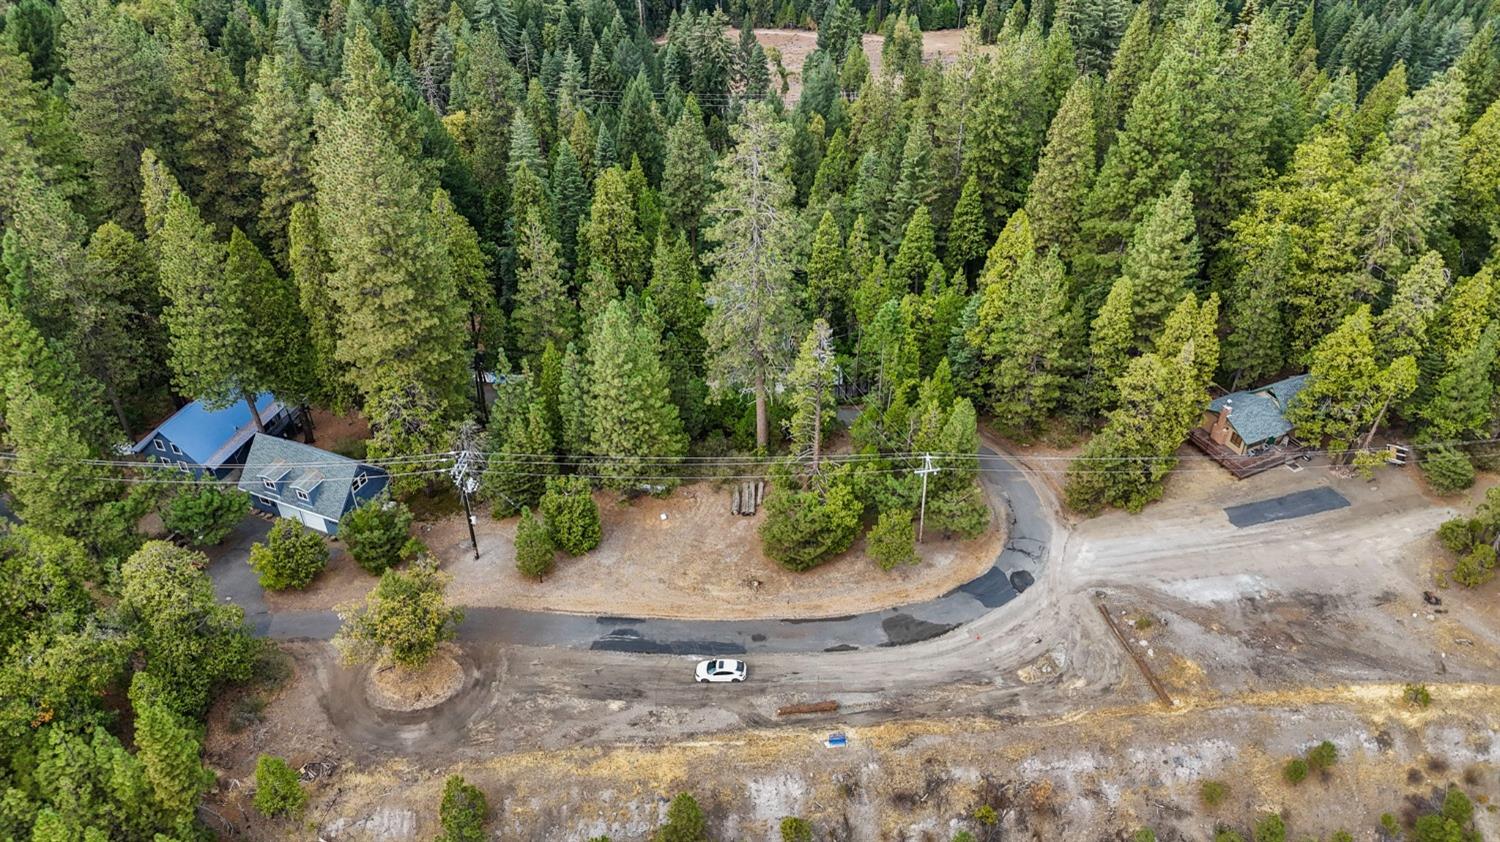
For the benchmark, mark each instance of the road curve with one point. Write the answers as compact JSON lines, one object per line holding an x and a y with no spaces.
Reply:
{"x":1027,"y":540}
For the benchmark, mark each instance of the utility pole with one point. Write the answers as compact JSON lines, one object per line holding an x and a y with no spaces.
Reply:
{"x":927,"y":468}
{"x":464,"y":479}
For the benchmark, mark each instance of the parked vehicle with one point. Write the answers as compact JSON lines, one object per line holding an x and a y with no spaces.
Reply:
{"x":721,"y":670}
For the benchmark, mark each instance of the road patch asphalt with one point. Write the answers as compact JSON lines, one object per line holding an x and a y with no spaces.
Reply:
{"x":1287,"y":506}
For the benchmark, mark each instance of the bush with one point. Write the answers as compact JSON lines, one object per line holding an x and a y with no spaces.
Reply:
{"x":1457,"y":535}
{"x":1341,"y":836}
{"x":1322,"y":756}
{"x":378,"y":534}
{"x":1228,"y":835}
{"x":1448,"y":470}
{"x":893,"y":540}
{"x":278,"y":792}
{"x":1295,"y":771}
{"x":1213,"y":793}
{"x":1270,"y":828}
{"x":794,"y":829}
{"x":571,"y":514}
{"x":1475,"y":567}
{"x":1366,"y":461}
{"x":986,"y":816}
{"x":404,"y":618}
{"x":1145,"y":834}
{"x":463,"y":811}
{"x":534,"y":550}
{"x":1417,"y":694}
{"x":806,"y":528}
{"x":205,"y":514}
{"x":963,"y":836}
{"x":291,"y":556}
{"x":685,"y":822}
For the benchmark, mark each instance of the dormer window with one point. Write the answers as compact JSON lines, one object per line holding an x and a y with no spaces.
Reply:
{"x":268,"y":483}
{"x":176,"y":450}
{"x":159,"y":445}
{"x":302,"y":495}
{"x":360,"y":480}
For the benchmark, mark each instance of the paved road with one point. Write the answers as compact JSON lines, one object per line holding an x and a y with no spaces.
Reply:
{"x":1029,"y":535}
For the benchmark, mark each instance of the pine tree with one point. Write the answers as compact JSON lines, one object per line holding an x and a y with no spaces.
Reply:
{"x":298,"y":43}
{"x":570,"y":200}
{"x":1257,"y":342}
{"x":1012,"y":247}
{"x":274,"y":353}
{"x":1110,"y":343}
{"x":210,"y":124}
{"x":827,"y":272}
{"x":676,"y":295}
{"x":1477,"y":206}
{"x":117,"y":102}
{"x":917,"y":256}
{"x":613,"y":236}
{"x":1162,"y":261}
{"x":811,"y":386}
{"x":168,"y":747}
{"x":752,"y":324}
{"x":518,"y":467}
{"x":1024,"y":344}
{"x":281,"y":135}
{"x":401,"y":315}
{"x":1095,"y":28}
{"x":1055,"y":202}
{"x":542,"y":311}
{"x":307,"y":259}
{"x":634,"y":426}
{"x":1196,"y":326}
{"x":640,"y":129}
{"x":686,"y":183}
{"x":1373,"y":117}
{"x":915,"y":186}
{"x":967,"y":232}
{"x":1401,"y":329}
{"x":572,"y":403}
{"x":1347,"y":390}
{"x":1462,"y":402}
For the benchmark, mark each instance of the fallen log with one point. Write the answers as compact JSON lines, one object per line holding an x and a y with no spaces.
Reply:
{"x":808,"y":707}
{"x":734,"y":504}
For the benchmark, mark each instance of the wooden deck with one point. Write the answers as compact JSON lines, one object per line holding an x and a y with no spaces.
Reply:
{"x":1240,"y":466}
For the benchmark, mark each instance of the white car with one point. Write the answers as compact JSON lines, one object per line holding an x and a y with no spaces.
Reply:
{"x":721,"y":670}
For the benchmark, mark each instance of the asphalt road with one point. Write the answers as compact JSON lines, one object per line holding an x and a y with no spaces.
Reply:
{"x":1012,"y":496}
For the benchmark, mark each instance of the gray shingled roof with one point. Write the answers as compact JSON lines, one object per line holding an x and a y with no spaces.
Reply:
{"x":327,"y":496}
{"x":1259,"y":415}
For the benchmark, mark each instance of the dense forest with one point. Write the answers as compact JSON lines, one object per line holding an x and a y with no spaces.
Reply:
{"x":1094,"y":215}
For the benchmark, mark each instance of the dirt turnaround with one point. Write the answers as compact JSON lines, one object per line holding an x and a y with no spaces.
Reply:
{"x":391,"y":687}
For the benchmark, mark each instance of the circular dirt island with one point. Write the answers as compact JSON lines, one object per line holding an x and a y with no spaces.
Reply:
{"x":392,"y":687}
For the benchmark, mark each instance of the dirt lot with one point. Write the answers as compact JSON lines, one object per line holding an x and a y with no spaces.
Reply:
{"x":796,"y":44}
{"x":699,"y":561}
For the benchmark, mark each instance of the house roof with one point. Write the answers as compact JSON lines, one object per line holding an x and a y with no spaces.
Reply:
{"x":325,"y":477}
{"x":210,"y":436}
{"x":1260,"y":414}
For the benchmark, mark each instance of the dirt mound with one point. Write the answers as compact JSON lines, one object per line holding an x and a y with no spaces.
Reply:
{"x":396,"y":688}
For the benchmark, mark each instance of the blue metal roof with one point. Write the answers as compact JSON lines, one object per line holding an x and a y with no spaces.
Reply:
{"x":204,"y":434}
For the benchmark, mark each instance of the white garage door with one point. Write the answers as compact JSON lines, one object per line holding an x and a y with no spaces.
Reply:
{"x":309,"y":519}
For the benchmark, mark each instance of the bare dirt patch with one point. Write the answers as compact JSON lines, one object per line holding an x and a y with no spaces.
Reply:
{"x":687,"y":557}
{"x":394,"y":687}
{"x":795,"y":45}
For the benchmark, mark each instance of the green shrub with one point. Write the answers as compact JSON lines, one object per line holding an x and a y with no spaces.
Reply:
{"x":1389,"y":824}
{"x":794,"y":829}
{"x":1448,"y":470}
{"x":963,"y":836}
{"x":685,"y":822}
{"x":463,"y":811}
{"x":571,"y":515}
{"x":378,"y":534}
{"x":291,"y":557}
{"x":1341,"y":836}
{"x":404,"y":618}
{"x":1213,"y":793}
{"x":986,"y":816}
{"x":1475,"y":567}
{"x":1144,"y":834}
{"x":1322,"y":756}
{"x":278,"y":792}
{"x":892,"y":542}
{"x":1227,"y":835}
{"x":1417,"y":694}
{"x":1295,"y":771}
{"x":1457,"y":807}
{"x":534,"y":550}
{"x":1270,"y":828}
{"x":205,"y":514}
{"x":1457,"y":535}
{"x":806,"y":528}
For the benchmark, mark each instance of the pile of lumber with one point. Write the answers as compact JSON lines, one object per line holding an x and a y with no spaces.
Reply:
{"x":808,"y":707}
{"x":747,"y":497}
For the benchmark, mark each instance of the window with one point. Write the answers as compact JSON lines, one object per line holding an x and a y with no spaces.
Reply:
{"x":183,"y":466}
{"x":302,"y":495}
{"x":360,"y":480}
{"x":268,"y":483}
{"x":265,"y":501}
{"x":159,"y":445}
{"x":176,"y":450}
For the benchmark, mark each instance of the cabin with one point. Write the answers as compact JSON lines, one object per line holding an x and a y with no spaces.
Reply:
{"x":308,"y":484}
{"x":1247,"y":431}
{"x":211,"y":443}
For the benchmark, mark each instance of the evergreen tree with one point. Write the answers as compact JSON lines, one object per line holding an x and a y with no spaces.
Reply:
{"x":1162,"y":261}
{"x":1110,"y":343}
{"x":1095,"y":28}
{"x":281,"y":135}
{"x":915,"y":186}
{"x":572,"y":403}
{"x":811,"y":385}
{"x":1477,"y":206}
{"x":1401,"y":329}
{"x":751,"y":325}
{"x":687,"y":180}
{"x":967,"y":232}
{"x":542,"y":311}
{"x":307,"y":258}
{"x":118,"y":337}
{"x":570,"y":199}
{"x":1462,"y":402}
{"x":117,"y":103}
{"x":520,"y":462}
{"x":168,"y":747}
{"x":613,"y":236}
{"x":640,"y":130}
{"x":1193,"y":325}
{"x":1012,"y":247}
{"x":1024,"y":343}
{"x":634,"y":426}
{"x":1055,"y":202}
{"x":299,"y":45}
{"x":1347,"y":390}
{"x":827,"y":272}
{"x":917,"y":256}
{"x":210,"y":125}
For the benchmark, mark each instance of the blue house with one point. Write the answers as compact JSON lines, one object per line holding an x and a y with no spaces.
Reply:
{"x":294,"y":480}
{"x":200,"y":441}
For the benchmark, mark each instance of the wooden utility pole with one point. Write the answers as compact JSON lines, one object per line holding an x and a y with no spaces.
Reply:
{"x":923,"y":471}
